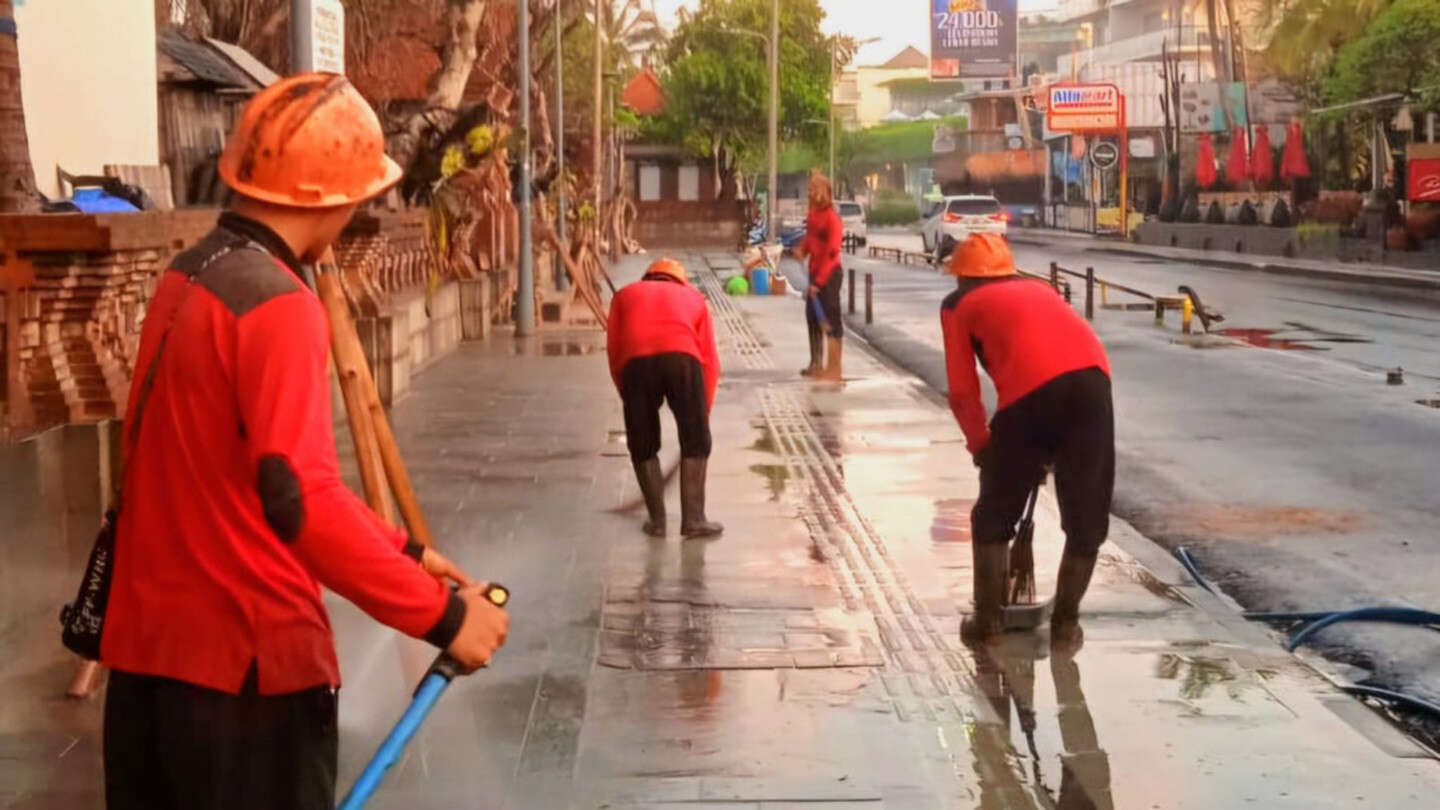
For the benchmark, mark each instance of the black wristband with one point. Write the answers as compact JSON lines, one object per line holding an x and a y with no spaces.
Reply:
{"x":448,"y":626}
{"x":413,"y":550}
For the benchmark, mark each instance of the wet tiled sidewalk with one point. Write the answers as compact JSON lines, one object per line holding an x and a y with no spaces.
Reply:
{"x":810,"y":656}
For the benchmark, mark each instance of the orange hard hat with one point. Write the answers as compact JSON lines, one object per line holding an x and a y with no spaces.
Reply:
{"x":669,"y":267}
{"x":982,"y":255}
{"x":309,"y":141}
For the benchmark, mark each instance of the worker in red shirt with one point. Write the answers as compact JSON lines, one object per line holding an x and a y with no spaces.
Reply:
{"x":1052,"y":381}
{"x":222,"y":694}
{"x":662,"y":350}
{"x":823,"y":235}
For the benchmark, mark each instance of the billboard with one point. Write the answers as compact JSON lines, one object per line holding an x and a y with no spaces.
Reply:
{"x":1084,"y":108}
{"x":972,"y":38}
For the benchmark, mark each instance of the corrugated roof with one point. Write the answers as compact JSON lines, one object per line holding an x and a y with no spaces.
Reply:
{"x":243,"y":59}
{"x":911,"y":57}
{"x":202,"y":60}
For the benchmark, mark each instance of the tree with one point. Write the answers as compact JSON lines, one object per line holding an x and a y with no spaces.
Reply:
{"x":716,"y":81}
{"x":18,"y":194}
{"x":1306,"y":35}
{"x":1395,"y":54}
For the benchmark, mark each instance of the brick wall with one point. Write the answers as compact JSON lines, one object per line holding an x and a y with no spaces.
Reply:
{"x":75,"y":288}
{"x":671,"y":223}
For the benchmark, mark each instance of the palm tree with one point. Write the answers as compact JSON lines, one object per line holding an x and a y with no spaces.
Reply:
{"x":17,"y":174}
{"x":1305,"y":34}
{"x":631,"y":31}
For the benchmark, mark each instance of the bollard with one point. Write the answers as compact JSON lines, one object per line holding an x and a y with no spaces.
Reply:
{"x":1089,"y":293}
{"x":1187,"y":311}
{"x":1055,"y":277}
{"x":869,"y":299}
{"x":852,"y":291}
{"x":1159,"y":313}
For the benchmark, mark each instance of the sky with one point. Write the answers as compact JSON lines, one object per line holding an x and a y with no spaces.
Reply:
{"x":866,"y":18}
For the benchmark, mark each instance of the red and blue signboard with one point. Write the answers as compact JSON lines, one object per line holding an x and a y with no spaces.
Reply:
{"x":972,"y":38}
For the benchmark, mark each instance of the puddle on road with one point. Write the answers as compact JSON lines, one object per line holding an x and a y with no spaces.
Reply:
{"x":1196,"y":674}
{"x":1235,"y":521}
{"x":775,"y":476}
{"x":1293,"y":336}
{"x":553,"y":348}
{"x":951,"y":523}
{"x":766,"y":443}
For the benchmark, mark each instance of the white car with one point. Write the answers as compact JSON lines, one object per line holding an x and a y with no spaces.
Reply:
{"x":961,"y":215}
{"x":852,"y":214}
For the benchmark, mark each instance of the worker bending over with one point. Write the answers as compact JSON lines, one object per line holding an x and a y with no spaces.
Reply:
{"x":824,"y":234}
{"x":1054,"y":410}
{"x":662,"y":350}
{"x":222,"y":692}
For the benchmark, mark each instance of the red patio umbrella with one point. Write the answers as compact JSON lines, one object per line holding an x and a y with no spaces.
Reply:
{"x":1262,"y":160}
{"x":1205,"y":162}
{"x":1293,"y":163}
{"x":1237,"y":167}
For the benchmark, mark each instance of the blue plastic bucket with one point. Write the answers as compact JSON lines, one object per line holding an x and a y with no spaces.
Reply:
{"x":760,"y":281}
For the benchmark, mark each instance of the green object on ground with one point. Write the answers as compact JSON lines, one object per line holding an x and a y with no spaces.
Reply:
{"x":737,"y":285}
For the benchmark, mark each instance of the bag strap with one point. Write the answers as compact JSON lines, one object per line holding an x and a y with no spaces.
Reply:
{"x":147,"y":384}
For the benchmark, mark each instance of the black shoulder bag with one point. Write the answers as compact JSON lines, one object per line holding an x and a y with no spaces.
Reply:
{"x":82,"y":622}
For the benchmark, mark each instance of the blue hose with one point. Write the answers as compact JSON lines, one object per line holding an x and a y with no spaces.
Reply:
{"x":1183,"y":555}
{"x":1394,"y":697}
{"x":1393,"y":615}
{"x":390,"y":750}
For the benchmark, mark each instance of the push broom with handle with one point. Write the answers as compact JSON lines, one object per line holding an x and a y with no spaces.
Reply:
{"x":432,"y":686}
{"x":1022,"y":556}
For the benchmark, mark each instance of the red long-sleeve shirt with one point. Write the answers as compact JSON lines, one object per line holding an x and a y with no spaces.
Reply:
{"x":1023,"y":334}
{"x":824,"y":233}
{"x":654,"y":316}
{"x":233,"y":506}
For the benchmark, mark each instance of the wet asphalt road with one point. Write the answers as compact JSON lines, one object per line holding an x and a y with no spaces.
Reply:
{"x":1295,"y":475}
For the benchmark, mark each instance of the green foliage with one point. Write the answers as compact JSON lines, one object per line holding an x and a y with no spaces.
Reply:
{"x":1398,"y":52}
{"x":717,"y":84}
{"x":892,"y":210}
{"x":1307,"y":35}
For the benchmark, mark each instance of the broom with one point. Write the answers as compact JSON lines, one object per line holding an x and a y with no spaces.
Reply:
{"x":1021,"y":576}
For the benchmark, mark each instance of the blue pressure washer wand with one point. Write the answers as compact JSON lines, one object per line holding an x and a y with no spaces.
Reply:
{"x":442,"y":671}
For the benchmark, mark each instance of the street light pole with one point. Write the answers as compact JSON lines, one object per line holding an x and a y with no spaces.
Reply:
{"x":597,"y":155}
{"x":773,"y":206}
{"x":525,"y":306}
{"x":560,"y":277}
{"x":831,"y":110}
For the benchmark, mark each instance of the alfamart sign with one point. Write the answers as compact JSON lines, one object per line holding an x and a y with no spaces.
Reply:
{"x":1085,"y":108}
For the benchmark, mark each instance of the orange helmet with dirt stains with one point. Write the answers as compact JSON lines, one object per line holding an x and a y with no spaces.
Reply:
{"x":669,"y":267}
{"x":308,"y":141}
{"x":982,"y":255}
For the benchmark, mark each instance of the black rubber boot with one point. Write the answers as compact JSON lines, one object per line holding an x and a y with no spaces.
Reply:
{"x":692,"y":500}
{"x":652,"y":487}
{"x":1073,"y":581}
{"x":817,"y":351}
{"x":990,"y":563}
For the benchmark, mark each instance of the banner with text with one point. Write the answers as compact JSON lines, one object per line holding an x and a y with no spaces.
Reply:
{"x":972,"y":38}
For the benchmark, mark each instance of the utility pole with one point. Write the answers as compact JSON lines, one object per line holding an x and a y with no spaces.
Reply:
{"x":832,"y":114}
{"x":560,"y":277}
{"x":595,"y":139}
{"x":773,"y":208}
{"x":525,"y":307}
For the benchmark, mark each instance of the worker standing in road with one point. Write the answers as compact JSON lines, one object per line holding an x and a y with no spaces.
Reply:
{"x":1054,"y":409}
{"x":662,"y":350}
{"x":223,"y":694}
{"x":824,"y":233}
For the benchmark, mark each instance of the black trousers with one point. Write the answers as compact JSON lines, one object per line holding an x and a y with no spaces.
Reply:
{"x":171,"y":745}
{"x":1069,"y":422}
{"x":648,"y":382}
{"x":829,"y":308}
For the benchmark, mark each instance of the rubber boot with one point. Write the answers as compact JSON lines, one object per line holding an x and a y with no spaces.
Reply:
{"x":990,"y":564}
{"x":817,"y":352}
{"x":1072,"y":582}
{"x":692,"y":500}
{"x":652,"y":487}
{"x":833,"y":346}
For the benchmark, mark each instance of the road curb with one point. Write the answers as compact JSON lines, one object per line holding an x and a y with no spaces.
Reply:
{"x":1342,"y":275}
